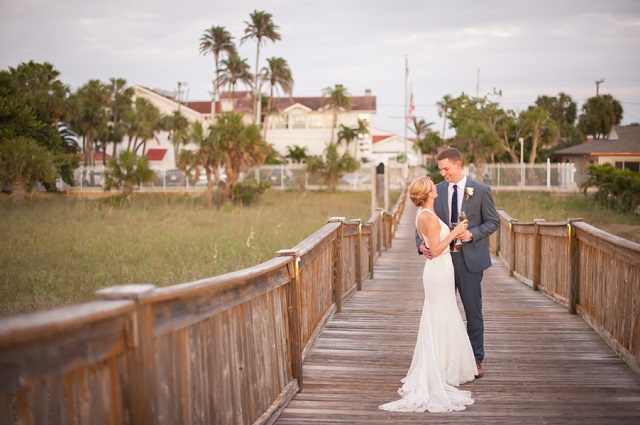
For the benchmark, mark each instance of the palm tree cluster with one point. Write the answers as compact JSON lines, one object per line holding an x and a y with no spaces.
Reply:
{"x":231,"y":69}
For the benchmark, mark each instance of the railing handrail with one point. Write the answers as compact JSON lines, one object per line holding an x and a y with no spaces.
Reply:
{"x":140,"y":336}
{"x":590,"y":271}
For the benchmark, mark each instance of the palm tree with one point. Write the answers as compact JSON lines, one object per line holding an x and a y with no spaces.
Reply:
{"x":333,"y":165}
{"x":276,"y":73}
{"x":207,"y":156}
{"x":89,"y":117}
{"x":23,"y":163}
{"x":177,"y":125}
{"x":443,"y":109}
{"x":142,"y":123}
{"x":243,"y":147}
{"x":127,"y":171}
{"x":297,"y":153}
{"x":216,"y":40}
{"x":363,"y":130}
{"x":336,"y":98}
{"x":347,"y":134}
{"x":119,"y":102}
{"x":233,"y":70}
{"x":261,"y":27}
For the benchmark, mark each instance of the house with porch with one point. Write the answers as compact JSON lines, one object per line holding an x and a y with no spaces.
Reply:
{"x":621,"y":149}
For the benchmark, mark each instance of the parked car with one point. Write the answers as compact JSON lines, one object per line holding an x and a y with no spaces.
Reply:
{"x":175,"y":178}
{"x":353,"y":179}
{"x":278,"y":175}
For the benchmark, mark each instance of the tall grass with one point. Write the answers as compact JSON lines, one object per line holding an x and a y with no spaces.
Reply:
{"x":59,"y":250}
{"x":526,"y":206}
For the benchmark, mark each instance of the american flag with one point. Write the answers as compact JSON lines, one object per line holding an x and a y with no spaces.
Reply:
{"x":412,"y":107}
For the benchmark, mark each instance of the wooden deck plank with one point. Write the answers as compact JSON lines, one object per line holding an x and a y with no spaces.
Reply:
{"x":542,"y":364}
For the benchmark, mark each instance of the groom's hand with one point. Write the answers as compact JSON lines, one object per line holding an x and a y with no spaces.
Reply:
{"x":426,"y":251}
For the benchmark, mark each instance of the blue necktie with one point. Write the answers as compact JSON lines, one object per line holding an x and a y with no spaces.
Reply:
{"x":454,"y":209}
{"x":454,"y":205}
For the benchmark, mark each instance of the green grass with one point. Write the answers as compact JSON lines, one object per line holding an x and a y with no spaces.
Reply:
{"x":59,"y":250}
{"x":554,"y":207}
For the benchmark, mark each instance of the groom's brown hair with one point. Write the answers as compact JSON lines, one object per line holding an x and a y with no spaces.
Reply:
{"x":452,"y":154}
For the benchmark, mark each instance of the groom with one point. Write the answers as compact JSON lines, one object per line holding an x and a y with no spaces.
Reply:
{"x":459,"y":193}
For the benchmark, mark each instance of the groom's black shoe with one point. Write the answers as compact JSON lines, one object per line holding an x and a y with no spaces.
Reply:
{"x":480,"y":371}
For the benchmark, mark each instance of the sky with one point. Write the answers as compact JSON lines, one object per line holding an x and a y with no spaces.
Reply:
{"x":522,"y":48}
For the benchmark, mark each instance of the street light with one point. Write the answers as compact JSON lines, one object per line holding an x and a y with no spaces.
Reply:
{"x":521,"y":140}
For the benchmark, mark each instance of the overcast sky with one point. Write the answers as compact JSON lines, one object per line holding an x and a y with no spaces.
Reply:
{"x":524,"y":48}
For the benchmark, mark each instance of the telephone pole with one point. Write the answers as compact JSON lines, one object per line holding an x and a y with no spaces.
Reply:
{"x":598,"y":82}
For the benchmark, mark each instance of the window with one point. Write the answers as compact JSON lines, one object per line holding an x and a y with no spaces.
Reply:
{"x":298,"y":122}
{"x":628,"y":165}
{"x":316,"y":121}
{"x":278,"y":121}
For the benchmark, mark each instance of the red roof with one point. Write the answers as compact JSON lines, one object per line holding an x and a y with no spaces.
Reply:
{"x":156,"y":154}
{"x":97,"y":156}
{"x":244,"y":102}
{"x":202,"y":107}
{"x":376,"y":139}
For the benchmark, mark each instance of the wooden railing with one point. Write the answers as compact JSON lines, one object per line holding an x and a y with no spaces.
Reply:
{"x":593,"y":273}
{"x":223,"y":350}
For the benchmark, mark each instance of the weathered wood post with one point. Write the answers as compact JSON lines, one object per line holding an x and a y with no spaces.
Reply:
{"x":537,"y":260}
{"x":358,"y":254}
{"x":574,"y":266}
{"x":294,"y":313}
{"x":337,"y":264}
{"x":512,"y":248}
{"x":140,"y":397}
{"x":370,"y":248}
{"x":380,"y":229}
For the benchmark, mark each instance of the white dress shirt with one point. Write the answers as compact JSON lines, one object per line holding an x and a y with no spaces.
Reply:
{"x":461,"y":185}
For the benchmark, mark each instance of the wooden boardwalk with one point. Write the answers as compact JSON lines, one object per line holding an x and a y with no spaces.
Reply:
{"x":542,"y":364}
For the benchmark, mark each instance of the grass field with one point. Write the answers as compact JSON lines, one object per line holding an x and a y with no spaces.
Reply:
{"x":58,"y":250}
{"x":525,"y":206}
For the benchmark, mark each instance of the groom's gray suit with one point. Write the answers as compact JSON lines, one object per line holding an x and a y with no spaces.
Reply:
{"x":470,"y":263}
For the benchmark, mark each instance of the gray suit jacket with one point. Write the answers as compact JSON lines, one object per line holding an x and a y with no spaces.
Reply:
{"x":483,"y":221}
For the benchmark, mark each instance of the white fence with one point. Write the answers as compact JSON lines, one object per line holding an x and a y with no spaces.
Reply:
{"x":525,"y":176}
{"x":294,"y":176}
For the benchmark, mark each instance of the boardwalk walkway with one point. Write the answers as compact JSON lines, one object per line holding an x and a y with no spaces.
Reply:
{"x":542,"y":364}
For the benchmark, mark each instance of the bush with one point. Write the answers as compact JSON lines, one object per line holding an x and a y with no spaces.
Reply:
{"x":619,"y":189}
{"x":249,"y":191}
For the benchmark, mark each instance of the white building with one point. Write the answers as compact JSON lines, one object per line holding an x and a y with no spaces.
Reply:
{"x":302,"y":121}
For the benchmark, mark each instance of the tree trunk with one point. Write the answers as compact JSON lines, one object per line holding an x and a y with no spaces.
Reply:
{"x":19,"y":191}
{"x":209,"y":188}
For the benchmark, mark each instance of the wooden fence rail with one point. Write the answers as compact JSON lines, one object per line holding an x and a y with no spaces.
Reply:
{"x":223,"y":350}
{"x":593,"y":273}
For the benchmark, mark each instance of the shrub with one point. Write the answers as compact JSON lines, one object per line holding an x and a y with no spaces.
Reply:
{"x":249,"y":191}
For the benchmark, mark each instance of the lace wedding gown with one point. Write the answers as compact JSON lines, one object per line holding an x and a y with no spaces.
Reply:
{"x":443,"y":357}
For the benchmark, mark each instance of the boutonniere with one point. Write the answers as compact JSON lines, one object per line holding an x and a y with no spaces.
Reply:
{"x":469,"y":191}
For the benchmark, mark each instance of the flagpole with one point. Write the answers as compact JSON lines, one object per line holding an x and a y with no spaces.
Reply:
{"x":406,"y":82}
{"x":406,"y":88}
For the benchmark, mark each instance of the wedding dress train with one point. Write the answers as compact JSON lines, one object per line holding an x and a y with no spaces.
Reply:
{"x":443,"y":357}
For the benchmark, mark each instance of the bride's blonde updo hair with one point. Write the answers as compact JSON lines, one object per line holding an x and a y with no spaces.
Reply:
{"x":419,"y":190}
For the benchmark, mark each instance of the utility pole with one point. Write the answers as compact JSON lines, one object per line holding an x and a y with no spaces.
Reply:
{"x":180,"y":84}
{"x":598,"y":82}
{"x":478,"y":84}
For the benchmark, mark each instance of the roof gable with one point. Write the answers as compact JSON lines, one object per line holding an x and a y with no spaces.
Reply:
{"x":626,"y":141}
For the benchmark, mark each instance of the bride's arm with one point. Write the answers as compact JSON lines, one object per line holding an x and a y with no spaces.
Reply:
{"x":431,"y":224}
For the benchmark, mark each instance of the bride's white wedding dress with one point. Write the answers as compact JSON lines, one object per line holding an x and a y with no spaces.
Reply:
{"x":443,"y":357}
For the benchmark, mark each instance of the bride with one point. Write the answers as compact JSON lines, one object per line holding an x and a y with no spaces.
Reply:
{"x":443,"y":357}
